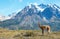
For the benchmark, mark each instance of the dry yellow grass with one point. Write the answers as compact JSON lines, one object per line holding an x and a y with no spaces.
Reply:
{"x":27,"y":34}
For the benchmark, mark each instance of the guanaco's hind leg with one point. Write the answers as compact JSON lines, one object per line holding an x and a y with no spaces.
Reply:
{"x":42,"y":31}
{"x":48,"y":30}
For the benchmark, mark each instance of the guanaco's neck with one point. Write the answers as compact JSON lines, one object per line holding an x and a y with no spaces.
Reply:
{"x":39,"y":25}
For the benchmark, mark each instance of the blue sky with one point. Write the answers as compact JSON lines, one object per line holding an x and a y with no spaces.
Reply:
{"x":11,"y":6}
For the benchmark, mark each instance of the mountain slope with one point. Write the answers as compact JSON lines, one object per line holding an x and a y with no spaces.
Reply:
{"x":29,"y":17}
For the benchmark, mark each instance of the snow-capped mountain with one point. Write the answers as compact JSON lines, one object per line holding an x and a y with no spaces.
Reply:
{"x":47,"y":11}
{"x":29,"y":17}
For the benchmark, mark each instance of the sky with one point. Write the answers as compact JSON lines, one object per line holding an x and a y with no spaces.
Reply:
{"x":12,"y":6}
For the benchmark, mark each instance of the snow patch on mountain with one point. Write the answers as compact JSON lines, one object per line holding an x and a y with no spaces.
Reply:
{"x":2,"y":18}
{"x":54,"y":6}
{"x":39,"y":8}
{"x":30,"y":6}
{"x":50,"y":5}
{"x":18,"y":10}
{"x":57,"y":8}
{"x":36,"y":5}
{"x":44,"y":19}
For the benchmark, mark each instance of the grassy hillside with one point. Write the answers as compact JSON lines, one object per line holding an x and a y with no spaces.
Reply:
{"x":27,"y":34}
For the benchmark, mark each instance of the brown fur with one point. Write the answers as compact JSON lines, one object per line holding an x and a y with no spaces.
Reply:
{"x":44,"y":27}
